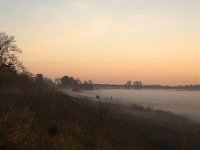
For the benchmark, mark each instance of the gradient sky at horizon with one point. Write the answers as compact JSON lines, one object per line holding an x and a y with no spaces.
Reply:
{"x":108,"y":41}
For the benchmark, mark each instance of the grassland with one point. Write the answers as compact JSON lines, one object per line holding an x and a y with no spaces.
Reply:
{"x":44,"y":120}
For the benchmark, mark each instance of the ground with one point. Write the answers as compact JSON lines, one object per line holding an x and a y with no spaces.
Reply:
{"x":54,"y":121}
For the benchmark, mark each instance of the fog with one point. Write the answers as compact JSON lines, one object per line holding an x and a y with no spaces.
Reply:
{"x":176,"y":101}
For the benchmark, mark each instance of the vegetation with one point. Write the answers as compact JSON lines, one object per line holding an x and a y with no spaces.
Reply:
{"x":35,"y":116}
{"x":88,"y":85}
{"x":133,"y":85}
{"x":8,"y":53}
{"x":51,"y":120}
{"x":67,"y":82}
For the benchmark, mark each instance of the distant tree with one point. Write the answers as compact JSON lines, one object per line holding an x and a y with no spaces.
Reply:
{"x":67,"y":81}
{"x":8,"y":53}
{"x":77,"y":85}
{"x":137,"y":84}
{"x":58,"y":82}
{"x":26,"y":81}
{"x":88,"y":85}
{"x":43,"y":83}
{"x":128,"y":84}
{"x":39,"y":80}
{"x":49,"y":84}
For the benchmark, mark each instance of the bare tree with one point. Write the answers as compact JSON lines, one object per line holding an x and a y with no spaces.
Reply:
{"x":137,"y":84}
{"x":8,"y":53}
{"x":77,"y":85}
{"x":88,"y":85}
{"x":128,"y":84}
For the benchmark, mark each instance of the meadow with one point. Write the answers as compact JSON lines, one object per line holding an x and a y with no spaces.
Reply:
{"x":51,"y":120}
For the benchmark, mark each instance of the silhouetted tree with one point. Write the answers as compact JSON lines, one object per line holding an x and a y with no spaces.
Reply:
{"x":58,"y":82}
{"x":9,"y":64}
{"x":77,"y":85}
{"x":26,"y":81}
{"x":12,"y":73}
{"x":49,"y":84}
{"x":8,"y":54}
{"x":39,"y":80}
{"x":43,"y":83}
{"x":137,"y":84}
{"x":67,"y":81}
{"x":128,"y":84}
{"x":88,"y":85}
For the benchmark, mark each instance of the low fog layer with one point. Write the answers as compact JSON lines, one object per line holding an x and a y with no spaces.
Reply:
{"x":180,"y":102}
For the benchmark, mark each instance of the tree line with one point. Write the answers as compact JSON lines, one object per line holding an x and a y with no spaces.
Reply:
{"x":133,"y":84}
{"x":13,"y":75}
{"x":74,"y":83}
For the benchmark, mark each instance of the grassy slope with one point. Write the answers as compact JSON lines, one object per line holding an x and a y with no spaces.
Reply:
{"x":54,"y":121}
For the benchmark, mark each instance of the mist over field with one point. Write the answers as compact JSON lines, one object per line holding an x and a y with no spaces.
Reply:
{"x":176,"y":101}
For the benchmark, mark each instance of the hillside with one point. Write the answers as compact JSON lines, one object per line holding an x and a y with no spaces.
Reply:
{"x":53,"y":121}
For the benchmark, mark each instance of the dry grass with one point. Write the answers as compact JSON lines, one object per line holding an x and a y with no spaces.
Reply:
{"x":53,"y":121}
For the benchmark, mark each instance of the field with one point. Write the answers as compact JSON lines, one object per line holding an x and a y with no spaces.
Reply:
{"x":53,"y":121}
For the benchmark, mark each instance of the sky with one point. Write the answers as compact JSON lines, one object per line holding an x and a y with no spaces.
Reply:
{"x":108,"y":41}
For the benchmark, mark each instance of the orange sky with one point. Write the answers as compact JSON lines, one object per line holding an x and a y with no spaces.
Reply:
{"x":110,"y":41}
